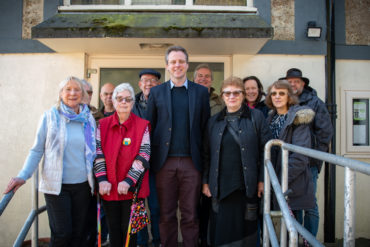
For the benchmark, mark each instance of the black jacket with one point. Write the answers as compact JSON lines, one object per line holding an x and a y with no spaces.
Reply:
{"x":296,"y":131}
{"x":253,"y":137}
{"x":321,"y":127}
{"x":139,"y":109}
{"x":159,"y":113}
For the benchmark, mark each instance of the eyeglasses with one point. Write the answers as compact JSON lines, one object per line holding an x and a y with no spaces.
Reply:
{"x":234,"y":93}
{"x":281,"y":93}
{"x":127,"y":99}
{"x":149,"y":80}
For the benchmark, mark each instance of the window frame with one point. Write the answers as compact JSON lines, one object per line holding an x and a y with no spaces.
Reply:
{"x":188,"y":7}
{"x":347,"y":147}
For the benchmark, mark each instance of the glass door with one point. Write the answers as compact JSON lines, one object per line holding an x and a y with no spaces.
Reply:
{"x":118,"y":69}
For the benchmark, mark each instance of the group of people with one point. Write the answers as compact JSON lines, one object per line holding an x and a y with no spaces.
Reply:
{"x":180,"y":140}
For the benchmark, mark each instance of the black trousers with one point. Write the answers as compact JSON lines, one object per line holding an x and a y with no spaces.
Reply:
{"x":118,"y":216}
{"x":67,"y":214}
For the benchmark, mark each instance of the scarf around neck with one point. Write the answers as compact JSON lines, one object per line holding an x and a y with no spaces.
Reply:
{"x":88,"y":121}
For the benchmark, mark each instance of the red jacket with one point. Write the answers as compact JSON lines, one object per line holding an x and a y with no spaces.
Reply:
{"x":119,"y":157}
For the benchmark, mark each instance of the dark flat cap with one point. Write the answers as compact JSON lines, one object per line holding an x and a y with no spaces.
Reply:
{"x":150,"y":72}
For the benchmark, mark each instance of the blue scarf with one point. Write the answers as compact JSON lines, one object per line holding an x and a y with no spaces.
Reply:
{"x":87,"y":119}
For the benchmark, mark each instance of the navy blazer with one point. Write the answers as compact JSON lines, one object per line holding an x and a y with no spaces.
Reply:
{"x":159,"y":113}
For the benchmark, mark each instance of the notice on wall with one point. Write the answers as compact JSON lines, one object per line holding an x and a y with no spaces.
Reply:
{"x":359,"y":111}
{"x":360,"y":120}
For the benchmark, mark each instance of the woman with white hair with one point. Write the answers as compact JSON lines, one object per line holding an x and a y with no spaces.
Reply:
{"x":123,"y":151}
{"x":66,"y":139}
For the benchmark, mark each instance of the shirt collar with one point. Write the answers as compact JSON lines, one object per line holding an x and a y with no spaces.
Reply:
{"x":185,"y":84}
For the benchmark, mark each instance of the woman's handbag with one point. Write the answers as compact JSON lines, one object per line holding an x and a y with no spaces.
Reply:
{"x":139,"y":216}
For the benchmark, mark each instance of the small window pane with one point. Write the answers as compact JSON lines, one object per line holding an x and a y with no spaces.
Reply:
{"x":97,"y":2}
{"x":157,"y":2}
{"x":360,"y":121}
{"x":221,"y":2}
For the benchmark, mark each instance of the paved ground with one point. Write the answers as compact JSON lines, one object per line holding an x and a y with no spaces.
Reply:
{"x":360,"y":242}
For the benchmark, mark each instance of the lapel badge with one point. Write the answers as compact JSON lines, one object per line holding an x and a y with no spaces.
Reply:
{"x":126,"y":141}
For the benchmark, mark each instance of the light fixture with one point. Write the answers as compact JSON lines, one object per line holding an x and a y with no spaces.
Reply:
{"x":145,"y":46}
{"x":313,"y":31}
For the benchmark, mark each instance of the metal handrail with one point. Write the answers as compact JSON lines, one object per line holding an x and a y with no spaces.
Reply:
{"x":271,"y":179}
{"x":5,"y":200}
{"x":32,"y":217}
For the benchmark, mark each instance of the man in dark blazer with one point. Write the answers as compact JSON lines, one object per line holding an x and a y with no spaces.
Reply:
{"x":178,"y":111}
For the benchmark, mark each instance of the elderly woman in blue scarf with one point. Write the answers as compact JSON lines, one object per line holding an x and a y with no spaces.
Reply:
{"x":66,"y":139}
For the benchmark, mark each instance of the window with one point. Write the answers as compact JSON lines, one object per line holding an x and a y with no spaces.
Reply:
{"x":159,"y":2}
{"x":355,"y":129}
{"x":246,"y":6}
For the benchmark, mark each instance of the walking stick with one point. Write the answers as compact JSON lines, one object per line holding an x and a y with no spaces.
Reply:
{"x":134,"y":200}
{"x":98,"y":219}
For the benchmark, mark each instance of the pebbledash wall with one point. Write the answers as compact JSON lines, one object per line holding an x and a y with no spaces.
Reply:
{"x":30,"y":73}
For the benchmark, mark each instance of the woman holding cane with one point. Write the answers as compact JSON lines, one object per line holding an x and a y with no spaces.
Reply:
{"x":123,"y":151}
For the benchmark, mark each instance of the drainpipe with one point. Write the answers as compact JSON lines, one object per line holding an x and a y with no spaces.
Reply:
{"x":330,"y":173}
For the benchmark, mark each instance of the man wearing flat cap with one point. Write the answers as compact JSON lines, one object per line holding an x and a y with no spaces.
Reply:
{"x":321,"y":134}
{"x":148,"y":78}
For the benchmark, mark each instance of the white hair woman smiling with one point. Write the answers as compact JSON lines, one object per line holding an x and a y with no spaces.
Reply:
{"x":66,"y":139}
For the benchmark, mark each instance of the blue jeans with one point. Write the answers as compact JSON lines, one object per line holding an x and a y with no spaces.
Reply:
{"x":311,"y":216}
{"x":143,"y":236}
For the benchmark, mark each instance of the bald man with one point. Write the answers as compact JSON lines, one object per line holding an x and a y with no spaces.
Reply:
{"x":106,"y":93}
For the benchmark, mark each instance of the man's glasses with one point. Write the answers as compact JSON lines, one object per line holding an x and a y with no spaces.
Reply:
{"x":281,"y":93}
{"x":127,"y":99}
{"x":149,"y":80}
{"x":234,"y":93}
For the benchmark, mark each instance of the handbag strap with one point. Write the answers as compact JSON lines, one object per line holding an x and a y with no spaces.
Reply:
{"x":136,"y":189}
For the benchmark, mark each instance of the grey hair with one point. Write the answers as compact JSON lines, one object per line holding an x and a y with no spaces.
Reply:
{"x":63,"y":83}
{"x":202,"y":66}
{"x":84,"y":82}
{"x":122,"y":87}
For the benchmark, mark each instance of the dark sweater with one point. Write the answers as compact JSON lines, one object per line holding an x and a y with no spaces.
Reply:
{"x":231,"y":174}
{"x":180,"y":135}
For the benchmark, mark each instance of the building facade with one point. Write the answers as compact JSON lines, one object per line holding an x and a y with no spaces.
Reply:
{"x":42,"y":42}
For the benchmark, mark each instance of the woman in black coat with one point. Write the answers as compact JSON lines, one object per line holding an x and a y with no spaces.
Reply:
{"x":233,"y":168}
{"x":290,"y":123}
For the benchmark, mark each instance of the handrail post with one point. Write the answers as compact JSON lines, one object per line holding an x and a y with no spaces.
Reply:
{"x":284,"y":188}
{"x":267,"y":197}
{"x":349,"y":207}
{"x":35,"y":206}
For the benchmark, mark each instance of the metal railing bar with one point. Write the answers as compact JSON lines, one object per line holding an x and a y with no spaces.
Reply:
{"x":307,"y":235}
{"x":293,"y":234}
{"x":27,"y":225}
{"x":280,"y":197}
{"x":267,"y":199}
{"x":5,"y":200}
{"x":349,"y":208}
{"x":351,"y":166}
{"x":271,"y":231}
{"x":356,"y":165}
